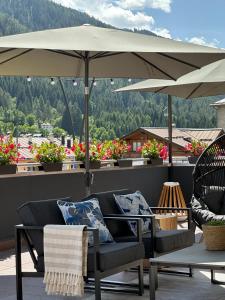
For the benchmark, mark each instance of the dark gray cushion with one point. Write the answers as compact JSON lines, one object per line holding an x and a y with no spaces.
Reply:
{"x":40,"y":213}
{"x":108,"y":206}
{"x":165,"y":240}
{"x":213,"y":198}
{"x":116,"y":254}
{"x":170,"y":240}
{"x":111,"y":256}
{"x":201,"y":213}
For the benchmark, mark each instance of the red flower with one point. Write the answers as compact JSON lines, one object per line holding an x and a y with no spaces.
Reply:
{"x":6,"y":151}
{"x":11,"y":146}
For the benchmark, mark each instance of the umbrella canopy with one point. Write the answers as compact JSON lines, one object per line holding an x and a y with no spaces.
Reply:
{"x":207,"y":81}
{"x":112,"y":53}
{"x":88,"y":51}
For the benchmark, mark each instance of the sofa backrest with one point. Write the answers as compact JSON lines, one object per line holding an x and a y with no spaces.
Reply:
{"x":108,"y":206}
{"x":40,"y":213}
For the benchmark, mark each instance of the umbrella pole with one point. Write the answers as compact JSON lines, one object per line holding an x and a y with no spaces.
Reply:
{"x":170,"y":128}
{"x":82,"y":125}
{"x":67,"y":107}
{"x":88,"y":176}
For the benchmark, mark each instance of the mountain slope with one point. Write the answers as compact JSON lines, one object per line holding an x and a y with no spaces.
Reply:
{"x":111,"y":114}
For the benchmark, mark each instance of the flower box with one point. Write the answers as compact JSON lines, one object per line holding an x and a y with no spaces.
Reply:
{"x":95,"y":164}
{"x":52,"y":167}
{"x":125,"y":162}
{"x":156,"y":161}
{"x":8,"y":169}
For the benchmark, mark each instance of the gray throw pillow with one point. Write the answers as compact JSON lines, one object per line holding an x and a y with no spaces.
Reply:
{"x":135,"y":204}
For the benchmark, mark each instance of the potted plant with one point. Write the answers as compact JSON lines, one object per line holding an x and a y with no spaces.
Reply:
{"x":117,"y":149}
{"x":50,"y":155}
{"x":195,"y":148}
{"x":214,"y":233}
{"x":155,"y":151}
{"x":95,"y":153}
{"x":9,"y":155}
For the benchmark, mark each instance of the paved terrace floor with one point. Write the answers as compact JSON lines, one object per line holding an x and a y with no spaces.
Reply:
{"x":170,"y":287}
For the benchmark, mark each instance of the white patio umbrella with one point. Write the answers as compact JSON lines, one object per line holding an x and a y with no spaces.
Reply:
{"x":88,"y":51}
{"x":207,"y":81}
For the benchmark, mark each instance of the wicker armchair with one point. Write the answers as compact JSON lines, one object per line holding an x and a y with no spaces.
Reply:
{"x":208,"y":201}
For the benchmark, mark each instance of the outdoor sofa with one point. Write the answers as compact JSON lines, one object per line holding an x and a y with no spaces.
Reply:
{"x":103,"y":259}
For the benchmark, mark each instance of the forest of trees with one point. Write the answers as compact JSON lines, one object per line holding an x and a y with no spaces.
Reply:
{"x":25,"y":105}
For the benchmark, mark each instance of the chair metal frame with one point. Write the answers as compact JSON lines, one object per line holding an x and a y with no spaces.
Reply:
{"x":21,"y":231}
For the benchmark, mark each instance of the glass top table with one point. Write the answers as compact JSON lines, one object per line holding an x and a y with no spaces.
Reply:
{"x":195,"y":257}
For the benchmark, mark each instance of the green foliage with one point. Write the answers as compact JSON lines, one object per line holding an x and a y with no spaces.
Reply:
{"x":49,"y":153}
{"x":58,"y":132}
{"x":216,"y":223}
{"x":25,"y":105}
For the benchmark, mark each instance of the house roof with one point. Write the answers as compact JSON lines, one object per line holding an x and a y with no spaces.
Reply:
{"x":181,"y":136}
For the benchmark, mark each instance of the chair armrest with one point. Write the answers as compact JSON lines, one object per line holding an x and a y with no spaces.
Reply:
{"x":22,"y":229}
{"x":187,"y":209}
{"x":128,"y":218}
{"x":169,"y":208}
{"x":152,"y":217}
{"x":94,"y":230}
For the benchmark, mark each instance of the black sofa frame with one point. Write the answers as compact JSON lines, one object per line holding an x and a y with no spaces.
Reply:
{"x":21,"y":231}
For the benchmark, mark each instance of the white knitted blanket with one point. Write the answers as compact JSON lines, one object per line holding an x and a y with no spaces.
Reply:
{"x":65,"y":257}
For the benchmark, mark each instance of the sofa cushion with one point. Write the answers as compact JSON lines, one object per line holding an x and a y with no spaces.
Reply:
{"x":165,"y":240}
{"x":110,"y":256}
{"x":40,"y":213}
{"x":108,"y":206}
{"x":86,"y":213}
{"x":134,"y":204}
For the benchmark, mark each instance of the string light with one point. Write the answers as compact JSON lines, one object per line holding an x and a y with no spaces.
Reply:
{"x":95,"y":83}
{"x":112,"y":81}
{"x":74,"y":82}
{"x":28,"y":78}
{"x":52,"y":81}
{"x":129,"y":79}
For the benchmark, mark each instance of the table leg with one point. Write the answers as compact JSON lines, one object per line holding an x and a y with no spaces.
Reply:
{"x":153,"y":281}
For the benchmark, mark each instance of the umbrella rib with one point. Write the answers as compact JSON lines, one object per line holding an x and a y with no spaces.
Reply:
{"x":194,"y":90}
{"x":179,"y":60}
{"x":79,"y":54}
{"x":64,"y":53}
{"x":15,"y":56}
{"x":159,"y":90}
{"x":107,"y":55}
{"x":153,"y":65}
{"x":7,"y":50}
{"x":99,"y":54}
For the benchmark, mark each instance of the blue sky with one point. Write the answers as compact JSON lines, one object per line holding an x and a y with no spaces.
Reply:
{"x":198,"y":21}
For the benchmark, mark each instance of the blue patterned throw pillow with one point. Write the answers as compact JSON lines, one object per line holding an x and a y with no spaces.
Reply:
{"x":135,"y":204}
{"x":86,"y":213}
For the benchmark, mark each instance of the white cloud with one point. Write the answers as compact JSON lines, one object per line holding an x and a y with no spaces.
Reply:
{"x":164,"y":32}
{"x":111,"y":13}
{"x":164,"y":5}
{"x":202,"y":41}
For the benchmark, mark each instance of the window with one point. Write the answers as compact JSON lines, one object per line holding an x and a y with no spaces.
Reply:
{"x":136,"y":145}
